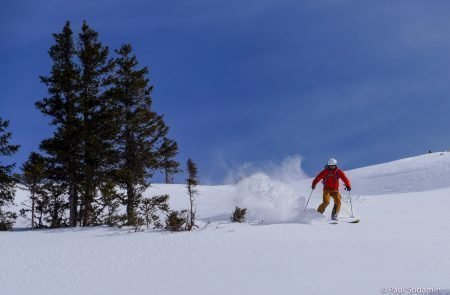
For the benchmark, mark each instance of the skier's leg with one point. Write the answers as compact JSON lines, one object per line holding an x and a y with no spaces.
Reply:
{"x":334,"y":208}
{"x":326,"y":201}
{"x":337,"y":202}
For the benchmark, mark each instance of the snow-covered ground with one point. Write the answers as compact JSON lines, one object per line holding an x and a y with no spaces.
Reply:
{"x":402,"y":242}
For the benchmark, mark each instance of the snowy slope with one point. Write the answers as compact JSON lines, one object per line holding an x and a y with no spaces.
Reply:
{"x":416,"y":174}
{"x":402,"y":241}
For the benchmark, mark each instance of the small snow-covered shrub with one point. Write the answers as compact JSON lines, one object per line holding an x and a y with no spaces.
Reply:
{"x":239,"y":215}
{"x":176,"y":220}
{"x":149,"y":209}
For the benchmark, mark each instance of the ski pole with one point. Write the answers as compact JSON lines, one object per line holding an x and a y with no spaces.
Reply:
{"x":308,"y":200}
{"x":351,"y":205}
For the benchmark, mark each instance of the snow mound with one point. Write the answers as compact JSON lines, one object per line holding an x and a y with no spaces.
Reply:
{"x":422,"y":173}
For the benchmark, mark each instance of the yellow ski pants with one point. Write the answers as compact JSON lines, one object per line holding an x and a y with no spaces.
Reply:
{"x":326,"y":201}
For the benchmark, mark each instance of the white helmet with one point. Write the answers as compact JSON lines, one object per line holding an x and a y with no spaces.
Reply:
{"x":332,"y":162}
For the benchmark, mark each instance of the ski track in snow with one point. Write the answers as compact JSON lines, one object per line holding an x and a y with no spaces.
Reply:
{"x":402,"y":241}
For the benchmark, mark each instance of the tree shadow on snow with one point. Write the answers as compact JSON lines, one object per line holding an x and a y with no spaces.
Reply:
{"x":310,"y":217}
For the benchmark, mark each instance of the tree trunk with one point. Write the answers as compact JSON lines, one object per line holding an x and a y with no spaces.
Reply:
{"x":73,"y":200}
{"x":167,"y":176}
{"x":130,"y":204}
{"x":32,"y":210}
{"x":88,"y":199}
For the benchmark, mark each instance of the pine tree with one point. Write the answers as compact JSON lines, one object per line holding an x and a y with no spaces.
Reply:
{"x":140,"y":129}
{"x":169,"y":149}
{"x":191,"y":184}
{"x":106,"y":134}
{"x":7,"y":181}
{"x":62,"y":105}
{"x":78,"y":107}
{"x":33,"y":175}
{"x":96,"y":134}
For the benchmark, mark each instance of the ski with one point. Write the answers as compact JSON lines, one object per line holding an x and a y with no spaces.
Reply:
{"x":346,"y":221}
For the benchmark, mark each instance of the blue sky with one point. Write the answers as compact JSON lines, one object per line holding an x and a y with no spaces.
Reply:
{"x":257,"y":81}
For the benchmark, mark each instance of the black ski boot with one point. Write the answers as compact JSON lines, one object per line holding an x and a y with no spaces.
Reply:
{"x":333,"y":214}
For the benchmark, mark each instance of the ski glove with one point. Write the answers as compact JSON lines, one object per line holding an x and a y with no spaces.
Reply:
{"x":313,"y":186}
{"x":348,"y":188}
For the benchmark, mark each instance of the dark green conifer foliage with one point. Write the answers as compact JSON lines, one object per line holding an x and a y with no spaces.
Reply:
{"x":7,"y":181}
{"x":63,"y":106}
{"x":238,"y":214}
{"x":169,"y":150}
{"x":53,"y":196}
{"x":176,"y":220}
{"x":42,"y":178}
{"x":96,"y":133}
{"x":107,"y":206}
{"x":106,"y":134}
{"x":140,"y":130}
{"x":151,"y":208}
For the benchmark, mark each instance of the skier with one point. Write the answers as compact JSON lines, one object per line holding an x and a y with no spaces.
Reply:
{"x":330,"y":178}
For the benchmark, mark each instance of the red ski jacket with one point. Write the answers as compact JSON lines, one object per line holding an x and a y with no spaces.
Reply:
{"x":331,"y":178}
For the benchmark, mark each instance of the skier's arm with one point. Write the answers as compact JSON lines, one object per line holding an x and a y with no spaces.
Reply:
{"x":345,"y":179}
{"x":318,"y":178}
